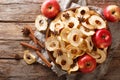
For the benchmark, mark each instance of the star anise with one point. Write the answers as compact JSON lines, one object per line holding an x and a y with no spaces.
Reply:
{"x":25,"y":31}
{"x":66,"y":15}
{"x":81,"y":19}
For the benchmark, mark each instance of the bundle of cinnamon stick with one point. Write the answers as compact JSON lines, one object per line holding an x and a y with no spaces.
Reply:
{"x":28,"y":31}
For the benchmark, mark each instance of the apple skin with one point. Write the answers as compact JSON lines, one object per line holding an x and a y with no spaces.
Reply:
{"x":86,"y":63}
{"x":102,"y":38}
{"x":50,"y":8}
{"x":112,"y":13}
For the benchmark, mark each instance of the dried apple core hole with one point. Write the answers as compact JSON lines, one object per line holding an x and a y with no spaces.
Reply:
{"x":75,"y":38}
{"x":70,"y":25}
{"x":41,"y":22}
{"x":98,"y":22}
{"x":73,"y":65}
{"x":82,"y":12}
{"x":28,"y":56}
{"x":94,"y":48}
{"x":63,"y":62}
{"x":59,"y":52}
{"x":87,"y":22}
{"x":81,"y":19}
{"x":90,"y":43}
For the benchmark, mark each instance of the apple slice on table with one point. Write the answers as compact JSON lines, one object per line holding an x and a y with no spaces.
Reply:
{"x":112,"y":13}
{"x":50,"y":8}
{"x":102,"y":38}
{"x":86,"y":63}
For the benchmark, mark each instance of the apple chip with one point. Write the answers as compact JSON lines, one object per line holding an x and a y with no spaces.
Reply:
{"x":52,"y":43}
{"x":82,"y":12}
{"x":41,"y":23}
{"x":64,"y":61}
{"x":97,"y":21}
{"x":75,"y":37}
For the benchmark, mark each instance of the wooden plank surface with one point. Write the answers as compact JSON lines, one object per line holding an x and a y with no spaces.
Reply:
{"x":14,"y":15}
{"x":19,"y":10}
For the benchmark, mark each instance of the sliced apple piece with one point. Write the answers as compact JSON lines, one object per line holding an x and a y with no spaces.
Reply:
{"x":88,"y":25}
{"x":64,"y":33}
{"x":56,"y":26}
{"x":64,"y":61}
{"x":41,"y":23}
{"x":102,"y":57}
{"x":97,"y":21}
{"x":89,"y":43}
{"x":82,"y":12}
{"x":74,"y":68}
{"x":75,"y":37}
{"x":52,"y":43}
{"x":28,"y":57}
{"x":87,"y":33}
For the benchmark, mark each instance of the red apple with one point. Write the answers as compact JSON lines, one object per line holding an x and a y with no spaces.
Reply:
{"x":102,"y":38}
{"x":50,"y":8}
{"x":86,"y":63}
{"x":112,"y":13}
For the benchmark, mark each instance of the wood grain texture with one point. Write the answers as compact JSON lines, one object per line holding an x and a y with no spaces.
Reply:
{"x":19,"y":10}
{"x":19,"y":70}
{"x":13,"y":31}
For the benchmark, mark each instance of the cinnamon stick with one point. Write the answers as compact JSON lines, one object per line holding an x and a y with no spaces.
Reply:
{"x":33,"y":38}
{"x":28,"y":45}
{"x":36,"y":41}
{"x":40,"y":44}
{"x":31,"y":35}
{"x":43,"y":59}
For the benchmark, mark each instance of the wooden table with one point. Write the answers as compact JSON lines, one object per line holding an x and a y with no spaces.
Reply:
{"x":14,"y":14}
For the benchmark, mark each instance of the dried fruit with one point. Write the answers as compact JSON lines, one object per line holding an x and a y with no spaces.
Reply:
{"x":41,"y":23}
{"x":28,"y":57}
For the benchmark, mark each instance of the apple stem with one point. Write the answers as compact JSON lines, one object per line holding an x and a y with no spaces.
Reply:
{"x":50,"y":7}
{"x":103,"y":36}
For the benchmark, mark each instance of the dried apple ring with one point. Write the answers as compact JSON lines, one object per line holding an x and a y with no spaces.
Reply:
{"x":82,"y":12}
{"x":41,"y":23}
{"x":73,"y":68}
{"x":97,"y":21}
{"x":94,"y":54}
{"x":75,"y":37}
{"x":85,"y":24}
{"x":62,"y":45}
{"x":52,"y":43}
{"x":102,"y":57}
{"x":89,"y":43}
{"x":64,"y":61}
{"x":64,"y":33}
{"x":71,"y":23}
{"x":57,"y":52}
{"x":28,"y":57}
{"x":73,"y":52}
{"x":87,"y":33}
{"x":56,"y":26}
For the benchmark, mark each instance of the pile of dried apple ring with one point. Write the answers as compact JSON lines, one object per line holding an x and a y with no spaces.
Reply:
{"x":70,"y":36}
